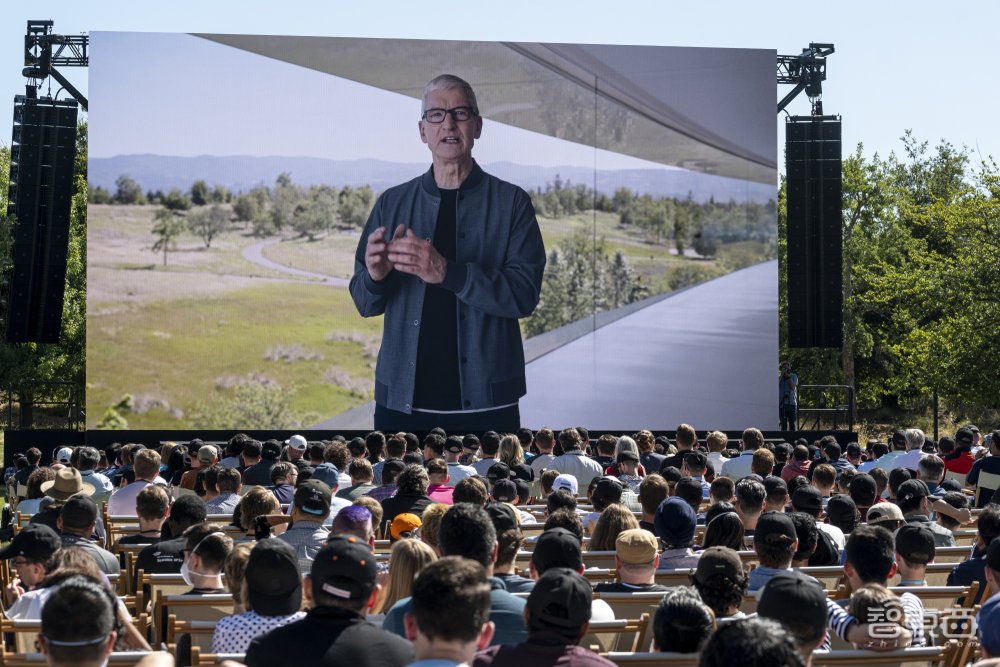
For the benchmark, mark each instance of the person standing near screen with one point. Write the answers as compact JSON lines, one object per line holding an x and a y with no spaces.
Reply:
{"x":452,"y":259}
{"x":788,"y":395}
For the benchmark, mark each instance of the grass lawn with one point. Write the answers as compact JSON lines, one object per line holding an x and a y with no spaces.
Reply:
{"x":172,"y":355}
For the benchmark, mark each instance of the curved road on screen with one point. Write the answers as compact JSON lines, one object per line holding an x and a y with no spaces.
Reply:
{"x":705,"y":356}
{"x":255,"y":255}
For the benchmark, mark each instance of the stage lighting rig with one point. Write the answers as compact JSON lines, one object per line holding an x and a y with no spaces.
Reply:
{"x":806,"y":71}
{"x":43,"y":51}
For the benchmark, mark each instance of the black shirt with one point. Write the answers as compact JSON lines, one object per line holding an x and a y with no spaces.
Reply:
{"x":139,"y":538}
{"x":674,"y":460}
{"x":396,"y":505}
{"x":651,"y":461}
{"x":330,"y":636}
{"x":24,"y":473}
{"x":259,"y":474}
{"x":438,"y":385}
{"x":163,"y":557}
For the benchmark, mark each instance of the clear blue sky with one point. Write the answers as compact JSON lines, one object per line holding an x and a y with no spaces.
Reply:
{"x":920,"y":65}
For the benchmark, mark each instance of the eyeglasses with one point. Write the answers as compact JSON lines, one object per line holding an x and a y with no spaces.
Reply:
{"x":460,"y":114}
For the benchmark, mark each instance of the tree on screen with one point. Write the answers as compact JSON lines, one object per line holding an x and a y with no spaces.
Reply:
{"x":167,"y":226}
{"x":127,"y":191}
{"x":208,"y":222}
{"x":200,"y":194}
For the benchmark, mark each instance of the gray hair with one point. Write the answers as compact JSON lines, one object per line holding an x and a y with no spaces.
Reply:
{"x":914,"y":438}
{"x":449,"y":82}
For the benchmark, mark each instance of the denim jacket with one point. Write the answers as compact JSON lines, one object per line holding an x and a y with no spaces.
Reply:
{"x":496,"y":278}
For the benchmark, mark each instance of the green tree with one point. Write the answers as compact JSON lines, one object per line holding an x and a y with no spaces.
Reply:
{"x":317,"y":214}
{"x":200,"y":194}
{"x":208,"y":222}
{"x":221,"y":195}
{"x":127,"y":191}
{"x":354,"y":206}
{"x":175,"y":200}
{"x":99,"y":195}
{"x":167,"y":226}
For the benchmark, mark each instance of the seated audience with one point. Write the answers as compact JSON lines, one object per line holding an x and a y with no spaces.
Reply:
{"x":362,"y":480}
{"x":87,"y":460}
{"x":886,"y":515}
{"x":509,"y":541}
{"x":724,"y":530}
{"x":451,"y":610}
{"x":310,"y":508}
{"x":878,"y":606}
{"x":28,"y":552}
{"x":775,"y":544}
{"x":842,"y":513}
{"x":406,"y":560}
{"x":751,"y":642}
{"x":636,"y":559}
{"x":283,"y":478}
{"x":750,"y":498}
{"x":869,"y":558}
{"x":606,"y":492}
{"x":912,"y":498}
{"x":147,"y":471}
{"x":615,"y":519}
{"x":77,"y":521}
{"x":722,"y":490}
{"x":682,"y":623}
{"x":808,"y":536}
{"x":808,"y":499}
{"x":557,"y":615}
{"x":653,"y":490}
{"x":721,"y":582}
{"x":466,"y":531}
{"x":777,"y":494}
{"x":167,"y":555}
{"x":915,"y":549}
{"x":342,"y":587}
{"x":798,"y":603}
{"x":973,"y":569}
{"x":206,"y":548}
{"x":228,"y":485}
{"x":78,"y":624}
{"x":32,"y":502}
{"x":257,"y":502}
{"x":411,"y":495}
{"x":430,"y":522}
{"x":988,"y":619}
{"x":151,"y":505}
{"x":234,"y":570}
{"x":271,"y":592}
{"x":405,"y":526}
{"x":675,"y":524}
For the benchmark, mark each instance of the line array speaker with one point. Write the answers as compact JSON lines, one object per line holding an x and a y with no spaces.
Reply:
{"x":43,"y":152}
{"x":814,"y":231}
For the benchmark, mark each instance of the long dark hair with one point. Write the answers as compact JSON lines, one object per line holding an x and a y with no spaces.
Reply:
{"x":725,"y":530}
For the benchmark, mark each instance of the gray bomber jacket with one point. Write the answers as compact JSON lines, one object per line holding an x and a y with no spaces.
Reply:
{"x":496,"y":278}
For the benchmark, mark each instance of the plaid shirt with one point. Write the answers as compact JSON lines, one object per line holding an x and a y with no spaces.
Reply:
{"x":380,"y":493}
{"x":307,"y":538}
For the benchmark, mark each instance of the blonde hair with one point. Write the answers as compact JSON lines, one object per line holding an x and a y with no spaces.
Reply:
{"x":257,"y":502}
{"x":406,"y":560}
{"x":431,"y":519}
{"x":626,"y":444}
{"x":235,"y":569}
{"x":874,"y":603}
{"x":613,"y":520}
{"x":511,"y":451}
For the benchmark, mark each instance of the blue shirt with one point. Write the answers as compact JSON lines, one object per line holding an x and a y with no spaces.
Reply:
{"x":506,"y":612}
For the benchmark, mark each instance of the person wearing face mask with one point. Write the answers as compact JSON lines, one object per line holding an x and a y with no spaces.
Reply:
{"x":205,"y":550}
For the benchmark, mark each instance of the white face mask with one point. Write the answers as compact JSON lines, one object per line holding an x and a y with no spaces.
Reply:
{"x":186,"y":571}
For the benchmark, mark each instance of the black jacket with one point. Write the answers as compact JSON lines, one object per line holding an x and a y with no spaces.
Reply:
{"x":329,"y":636}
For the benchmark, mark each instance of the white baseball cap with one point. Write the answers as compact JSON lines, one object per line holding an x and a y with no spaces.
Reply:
{"x":297,"y":442}
{"x":565,"y":482}
{"x":64,"y":454}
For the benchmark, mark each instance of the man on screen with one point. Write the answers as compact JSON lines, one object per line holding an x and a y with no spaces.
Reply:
{"x":452,"y":259}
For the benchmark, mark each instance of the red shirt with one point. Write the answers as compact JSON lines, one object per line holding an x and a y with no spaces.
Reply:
{"x":440,"y":493}
{"x":961,"y":464}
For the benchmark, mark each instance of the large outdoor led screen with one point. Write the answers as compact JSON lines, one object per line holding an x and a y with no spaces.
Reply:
{"x":231,"y":176}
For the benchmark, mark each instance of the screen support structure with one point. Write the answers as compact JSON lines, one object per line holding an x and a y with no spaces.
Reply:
{"x":806,"y":71}
{"x":43,"y":51}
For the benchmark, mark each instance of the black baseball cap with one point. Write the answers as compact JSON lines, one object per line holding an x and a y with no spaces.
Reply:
{"x":719,"y":562}
{"x":774,"y":528}
{"x":608,"y":489}
{"x":504,"y":491}
{"x":863,"y":489}
{"x":313,"y":497}
{"x":842,"y":510}
{"x":557,"y":547}
{"x":911,"y":489}
{"x":773,"y":484}
{"x":807,"y":499}
{"x":964,"y":437}
{"x":675,"y":522}
{"x":393,"y":465}
{"x":274,"y":583}
{"x":36,"y":542}
{"x":832,"y":451}
{"x":453,"y":444}
{"x":561,"y":597}
{"x":502,"y":515}
{"x":794,"y":599}
{"x":498,"y":470}
{"x":345,"y":568}
{"x":915,"y":543}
